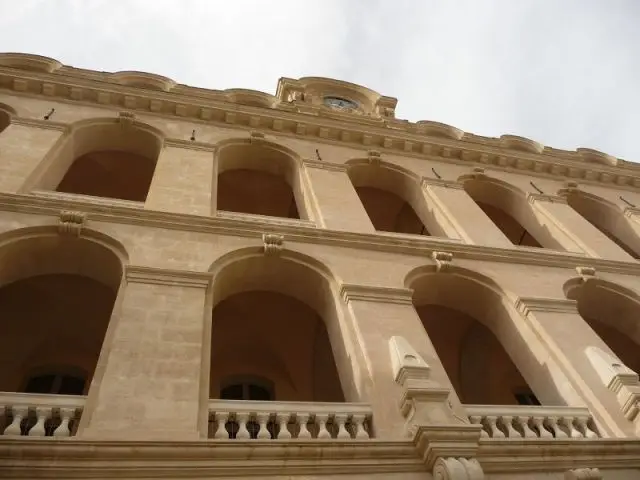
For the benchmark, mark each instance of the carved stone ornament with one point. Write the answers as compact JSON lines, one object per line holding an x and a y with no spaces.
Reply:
{"x":71,"y":223}
{"x":273,"y":244}
{"x":457,"y":469}
{"x":586,"y":273}
{"x":255,"y":137}
{"x":478,"y":171}
{"x":126,"y":119}
{"x":583,"y":474}
{"x":443,"y":260}
{"x":374,"y":158}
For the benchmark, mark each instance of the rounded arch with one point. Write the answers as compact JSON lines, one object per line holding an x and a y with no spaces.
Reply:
{"x":104,"y":157}
{"x":257,"y":176}
{"x":487,"y":350}
{"x":606,"y":216}
{"x":57,"y":294}
{"x":277,"y":317}
{"x":6,"y":114}
{"x":507,"y":207}
{"x":613,"y":312}
{"x":392,"y":197}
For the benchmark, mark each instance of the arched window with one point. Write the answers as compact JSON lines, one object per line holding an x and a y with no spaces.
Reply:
{"x":392,"y":198}
{"x":260,"y":179}
{"x":105,"y":158}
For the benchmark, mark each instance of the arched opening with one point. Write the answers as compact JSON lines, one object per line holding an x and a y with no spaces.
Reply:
{"x":259,"y":179}
{"x":105,"y":159}
{"x":614,"y":315}
{"x":393,"y":199}
{"x":607,"y":218}
{"x":56,"y":297}
{"x":479,"y":340}
{"x":507,"y":208}
{"x":275,"y":333}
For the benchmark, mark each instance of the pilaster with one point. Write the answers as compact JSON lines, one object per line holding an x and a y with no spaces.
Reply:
{"x":147,"y":382}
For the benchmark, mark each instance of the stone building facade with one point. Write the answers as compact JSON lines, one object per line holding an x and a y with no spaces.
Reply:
{"x":227,"y":284}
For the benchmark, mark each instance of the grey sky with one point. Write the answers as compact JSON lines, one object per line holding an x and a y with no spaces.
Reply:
{"x":563,"y":72}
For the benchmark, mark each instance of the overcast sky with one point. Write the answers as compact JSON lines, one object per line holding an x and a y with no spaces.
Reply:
{"x":563,"y":72}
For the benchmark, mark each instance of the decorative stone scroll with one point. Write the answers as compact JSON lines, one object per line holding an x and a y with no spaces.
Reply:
{"x":273,"y":244}
{"x":478,"y":172}
{"x":443,"y":260}
{"x":586,"y":273}
{"x":71,"y":222}
{"x":583,"y":474}
{"x":374,"y":157}
{"x":457,"y":469}
{"x":126,"y":119}
{"x":256,"y":137}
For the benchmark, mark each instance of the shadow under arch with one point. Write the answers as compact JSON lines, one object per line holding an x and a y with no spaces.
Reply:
{"x":487,"y":350}
{"x":6,"y":113}
{"x":613,"y":313}
{"x":508,"y":208}
{"x":392,"y":197}
{"x":260,"y":177}
{"x":103,"y":157}
{"x":607,"y":217}
{"x":57,"y":296}
{"x":281,"y":314}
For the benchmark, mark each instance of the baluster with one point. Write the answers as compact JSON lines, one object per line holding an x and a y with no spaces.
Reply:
{"x":303,"y":419}
{"x":358,"y":425}
{"x":557,"y":431}
{"x":573,"y":432}
{"x":538,"y":422}
{"x":582,"y":424}
{"x":221,"y":419}
{"x":42,"y":415}
{"x":65,"y":417}
{"x":242,"y":419}
{"x":283,"y":420}
{"x":529,"y":432}
{"x":477,"y":420}
{"x":507,"y":421}
{"x":14,"y":429}
{"x":322,"y":426}
{"x":493,"y":427}
{"x":341,"y":420}
{"x":263,"y":433}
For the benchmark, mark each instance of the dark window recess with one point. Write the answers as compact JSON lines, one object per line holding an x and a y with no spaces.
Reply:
{"x":56,"y":384}
{"x":526,"y":398}
{"x":246,"y":391}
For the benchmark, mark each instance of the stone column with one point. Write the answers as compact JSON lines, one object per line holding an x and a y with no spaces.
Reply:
{"x":459,"y":216}
{"x":567,"y":337}
{"x":336,"y":201}
{"x":23,"y":146}
{"x":183,"y":179}
{"x":572,"y":231}
{"x":147,"y":381}
{"x":378,"y":314}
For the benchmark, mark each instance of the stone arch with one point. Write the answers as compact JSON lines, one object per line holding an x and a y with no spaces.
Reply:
{"x":259,"y":177}
{"x":606,"y":217}
{"x":508,"y":208}
{"x":6,"y":113}
{"x":613,"y":312}
{"x":57,"y":294}
{"x":392,"y":197}
{"x":487,"y":350}
{"x":278,"y":318}
{"x":104,"y":157}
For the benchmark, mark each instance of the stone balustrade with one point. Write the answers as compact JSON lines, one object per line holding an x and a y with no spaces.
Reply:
{"x":34,"y":415}
{"x":235,"y":419}
{"x":525,"y":421}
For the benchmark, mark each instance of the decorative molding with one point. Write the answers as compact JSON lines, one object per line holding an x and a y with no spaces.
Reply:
{"x":586,"y":273}
{"x":332,"y":167}
{"x":38,"y":123}
{"x":189,"y":144}
{"x":255,"y":218}
{"x":256,"y":137}
{"x":544,"y":197}
{"x":526,"y":305}
{"x":71,"y":222}
{"x":457,"y":469}
{"x":126,"y":119}
{"x":371,"y":293}
{"x":583,"y":474}
{"x":272,"y":244}
{"x":374,"y":157}
{"x":439,"y":182}
{"x":164,"y":276}
{"x":443,"y":260}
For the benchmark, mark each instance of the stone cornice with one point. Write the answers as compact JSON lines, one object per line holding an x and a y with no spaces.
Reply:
{"x":532,"y":304}
{"x":439,"y":182}
{"x":369,"y":293}
{"x":37,"y":123}
{"x":255,"y":226}
{"x":80,"y":459}
{"x":332,"y":167}
{"x":192,"y":145}
{"x":403,"y":137}
{"x":543,"y":197}
{"x":162,"y":276}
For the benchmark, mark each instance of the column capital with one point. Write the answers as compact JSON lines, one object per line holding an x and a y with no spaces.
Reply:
{"x":543,"y":197}
{"x":526,"y":305}
{"x":370,"y":293}
{"x":439,"y":182}
{"x":164,"y":276}
{"x":332,"y":167}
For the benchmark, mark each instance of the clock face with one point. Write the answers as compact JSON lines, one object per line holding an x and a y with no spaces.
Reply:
{"x":338,"y":102}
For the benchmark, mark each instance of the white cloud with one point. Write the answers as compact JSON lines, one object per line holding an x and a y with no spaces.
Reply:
{"x":563,"y":73}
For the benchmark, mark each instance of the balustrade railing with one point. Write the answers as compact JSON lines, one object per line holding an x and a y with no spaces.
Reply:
{"x":34,"y":415}
{"x":244,"y":420}
{"x":524,"y":421}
